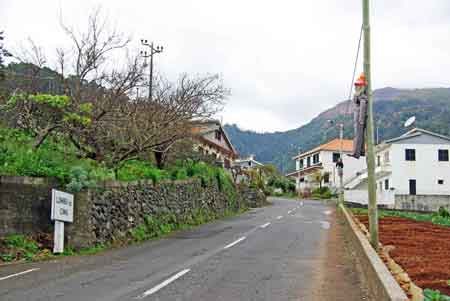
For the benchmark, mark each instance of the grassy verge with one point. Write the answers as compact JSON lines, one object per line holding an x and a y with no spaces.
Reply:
{"x":16,"y":248}
{"x":439,"y":218}
{"x":156,"y":227}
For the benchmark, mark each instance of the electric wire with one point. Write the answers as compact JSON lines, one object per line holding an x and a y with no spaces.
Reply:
{"x":349,"y":100}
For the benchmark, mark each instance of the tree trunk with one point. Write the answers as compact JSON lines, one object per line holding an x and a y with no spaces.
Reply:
{"x":160,"y":158}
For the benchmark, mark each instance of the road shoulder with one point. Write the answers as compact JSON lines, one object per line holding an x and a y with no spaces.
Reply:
{"x":340,"y":276}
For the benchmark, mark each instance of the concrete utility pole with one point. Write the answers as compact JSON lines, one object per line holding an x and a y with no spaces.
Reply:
{"x":373,"y":213}
{"x":341,"y":157}
{"x":150,"y":54}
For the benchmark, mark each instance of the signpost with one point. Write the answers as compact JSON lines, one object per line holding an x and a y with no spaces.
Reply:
{"x":62,"y":211}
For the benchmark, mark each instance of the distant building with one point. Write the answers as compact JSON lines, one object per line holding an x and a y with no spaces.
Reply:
{"x":211,"y":139}
{"x":324,"y":158}
{"x":412,"y":172}
{"x":248,"y":163}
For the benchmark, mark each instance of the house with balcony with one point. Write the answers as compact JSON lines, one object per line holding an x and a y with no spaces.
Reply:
{"x":248,"y":163}
{"x":412,"y":172}
{"x":323,"y":159}
{"x":210,"y":138}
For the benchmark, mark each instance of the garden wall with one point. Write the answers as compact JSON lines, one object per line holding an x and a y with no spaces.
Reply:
{"x":110,"y":211}
{"x":25,"y":205}
{"x":422,"y":202}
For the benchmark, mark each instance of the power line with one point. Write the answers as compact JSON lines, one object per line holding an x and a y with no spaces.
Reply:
{"x":354,"y":71}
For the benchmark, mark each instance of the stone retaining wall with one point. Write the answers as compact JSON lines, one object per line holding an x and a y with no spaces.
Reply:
{"x":381,"y":284}
{"x":422,"y":202}
{"x":110,"y":211}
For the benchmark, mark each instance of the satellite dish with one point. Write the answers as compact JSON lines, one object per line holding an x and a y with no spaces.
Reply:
{"x":410,"y":121}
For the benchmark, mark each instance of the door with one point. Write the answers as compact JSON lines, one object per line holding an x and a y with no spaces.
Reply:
{"x":412,"y":187}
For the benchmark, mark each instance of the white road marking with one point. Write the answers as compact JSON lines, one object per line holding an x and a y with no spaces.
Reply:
{"x":328,"y":212}
{"x":18,"y":274}
{"x":279,"y":217}
{"x":290,"y":211}
{"x":163,"y":284}
{"x":265,"y":225}
{"x":325,"y":225}
{"x":235,"y":242}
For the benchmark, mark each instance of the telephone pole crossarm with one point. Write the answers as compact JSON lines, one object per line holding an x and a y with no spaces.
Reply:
{"x":152,"y":51}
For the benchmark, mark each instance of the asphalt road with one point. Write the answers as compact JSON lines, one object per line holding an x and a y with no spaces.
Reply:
{"x":270,"y":253}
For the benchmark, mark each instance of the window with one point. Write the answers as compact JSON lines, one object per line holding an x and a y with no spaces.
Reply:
{"x":308,"y":162}
{"x":443,"y":154}
{"x":386,"y":157}
{"x":336,"y":157}
{"x":301,"y":163}
{"x":378,"y":160}
{"x":410,"y":154}
{"x":412,"y":187}
{"x":218,"y":135}
{"x":315,"y":158}
{"x":441,"y":182}
{"x":386,"y":184}
{"x":326,"y":178}
{"x":302,"y":180}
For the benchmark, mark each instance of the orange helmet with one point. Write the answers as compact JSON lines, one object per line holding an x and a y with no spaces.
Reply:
{"x":361,"y":81}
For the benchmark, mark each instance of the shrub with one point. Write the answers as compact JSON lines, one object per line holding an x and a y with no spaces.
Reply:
{"x":19,"y":247}
{"x":443,"y":212}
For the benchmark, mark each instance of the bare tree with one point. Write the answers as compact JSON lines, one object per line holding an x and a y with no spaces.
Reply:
{"x":3,"y":53}
{"x":99,"y":113}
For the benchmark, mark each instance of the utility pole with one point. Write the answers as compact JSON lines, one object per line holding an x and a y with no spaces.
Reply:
{"x":150,"y":54}
{"x":373,"y":213}
{"x":340,"y":163}
{"x":341,"y":157}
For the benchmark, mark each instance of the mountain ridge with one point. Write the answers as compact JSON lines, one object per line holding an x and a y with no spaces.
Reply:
{"x":392,"y":107}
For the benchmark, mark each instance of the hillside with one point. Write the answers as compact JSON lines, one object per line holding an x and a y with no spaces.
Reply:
{"x":391,"y":108}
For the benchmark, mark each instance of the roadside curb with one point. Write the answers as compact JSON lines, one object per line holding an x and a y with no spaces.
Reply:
{"x":380,"y":281}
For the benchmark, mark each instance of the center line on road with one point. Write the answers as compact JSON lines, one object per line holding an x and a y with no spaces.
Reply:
{"x":18,"y":274}
{"x":279,"y":217}
{"x":265,"y":225}
{"x":163,"y":284}
{"x":235,"y":242}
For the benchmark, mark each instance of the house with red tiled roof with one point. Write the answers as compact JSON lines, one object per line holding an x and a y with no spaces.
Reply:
{"x":323,"y":159}
{"x":211,"y":139}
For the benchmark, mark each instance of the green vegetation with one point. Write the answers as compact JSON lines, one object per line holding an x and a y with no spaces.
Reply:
{"x":154,"y":227}
{"x":20,"y":247}
{"x":322,"y":193}
{"x":58,"y":159}
{"x":432,"y":295}
{"x":441,"y":217}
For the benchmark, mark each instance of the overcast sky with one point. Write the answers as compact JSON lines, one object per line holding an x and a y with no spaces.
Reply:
{"x":285,"y":61}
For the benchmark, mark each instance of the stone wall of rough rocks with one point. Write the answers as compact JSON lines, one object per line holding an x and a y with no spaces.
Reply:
{"x":108,"y":213}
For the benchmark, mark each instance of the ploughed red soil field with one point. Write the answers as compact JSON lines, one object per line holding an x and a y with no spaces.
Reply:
{"x":422,"y":249}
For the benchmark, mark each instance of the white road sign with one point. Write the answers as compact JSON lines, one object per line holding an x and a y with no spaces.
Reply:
{"x":62,"y":206}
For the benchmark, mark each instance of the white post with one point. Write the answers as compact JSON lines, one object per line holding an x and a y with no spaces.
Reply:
{"x":58,"y":239}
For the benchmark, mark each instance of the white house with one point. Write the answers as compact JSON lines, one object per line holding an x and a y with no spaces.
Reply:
{"x":412,"y":172}
{"x":323,"y":158}
{"x":248,"y":163}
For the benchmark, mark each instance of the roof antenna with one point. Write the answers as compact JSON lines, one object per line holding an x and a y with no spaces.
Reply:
{"x":411,"y":120}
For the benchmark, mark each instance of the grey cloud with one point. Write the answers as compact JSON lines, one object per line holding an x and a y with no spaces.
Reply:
{"x":285,"y":61}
